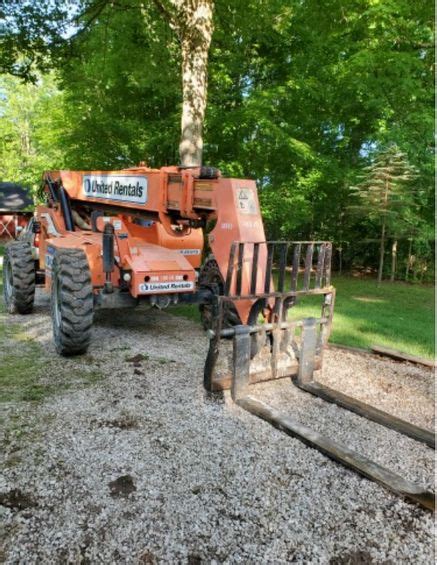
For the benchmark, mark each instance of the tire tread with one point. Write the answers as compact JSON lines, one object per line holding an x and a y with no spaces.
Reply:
{"x":73,"y":335}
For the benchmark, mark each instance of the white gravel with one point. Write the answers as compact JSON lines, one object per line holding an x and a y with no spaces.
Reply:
{"x":143,"y":466}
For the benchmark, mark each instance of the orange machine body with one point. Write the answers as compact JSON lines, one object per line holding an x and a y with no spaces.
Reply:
{"x":157,"y":216}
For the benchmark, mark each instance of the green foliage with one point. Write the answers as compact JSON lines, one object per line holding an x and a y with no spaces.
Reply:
{"x":30,"y":126}
{"x":122,"y":92}
{"x":388,"y":199}
{"x":301,"y":97}
{"x":386,"y":194}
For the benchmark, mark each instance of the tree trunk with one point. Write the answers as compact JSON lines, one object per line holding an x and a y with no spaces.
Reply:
{"x":409,"y":261}
{"x":192,"y":21}
{"x":196,"y":33}
{"x":382,"y":245}
{"x":394,"y":251}
{"x":381,"y":253}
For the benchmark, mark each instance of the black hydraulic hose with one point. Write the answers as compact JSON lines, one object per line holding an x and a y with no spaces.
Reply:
{"x":52,"y":189}
{"x":94,"y":215}
{"x":66,"y":209}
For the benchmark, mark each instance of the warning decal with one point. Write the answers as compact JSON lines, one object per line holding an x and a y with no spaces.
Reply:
{"x":246,"y":201}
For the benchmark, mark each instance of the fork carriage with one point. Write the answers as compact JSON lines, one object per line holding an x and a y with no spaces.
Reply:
{"x":304,"y":269}
{"x":271,"y":346}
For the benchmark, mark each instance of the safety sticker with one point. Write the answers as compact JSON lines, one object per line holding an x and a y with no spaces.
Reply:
{"x":165,"y":287}
{"x":246,"y":201}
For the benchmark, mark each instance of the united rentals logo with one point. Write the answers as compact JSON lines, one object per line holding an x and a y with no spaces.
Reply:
{"x":168,"y":286}
{"x":115,"y":187}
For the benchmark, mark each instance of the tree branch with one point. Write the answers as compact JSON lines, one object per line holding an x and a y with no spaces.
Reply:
{"x":99,"y":7}
{"x":164,"y":12}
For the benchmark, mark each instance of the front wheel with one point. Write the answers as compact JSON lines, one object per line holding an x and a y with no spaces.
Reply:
{"x":18,"y":278}
{"x":71,"y":302}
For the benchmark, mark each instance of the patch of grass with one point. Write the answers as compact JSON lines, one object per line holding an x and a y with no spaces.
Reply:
{"x":190,"y":311}
{"x":20,"y":360}
{"x":23,"y":369}
{"x":91,"y":377}
{"x":2,"y":252}
{"x":163,"y":360}
{"x":20,"y":366}
{"x":122,"y":348}
{"x":396,"y":315}
{"x":19,"y":432}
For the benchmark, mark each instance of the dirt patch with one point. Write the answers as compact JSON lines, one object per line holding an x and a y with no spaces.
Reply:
{"x":136,"y":359}
{"x":123,"y":423}
{"x":123,"y":486}
{"x":16,"y":499}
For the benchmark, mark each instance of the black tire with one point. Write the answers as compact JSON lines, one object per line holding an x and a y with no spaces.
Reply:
{"x":71,"y":302}
{"x":19,"y":278}
{"x":210,"y":275}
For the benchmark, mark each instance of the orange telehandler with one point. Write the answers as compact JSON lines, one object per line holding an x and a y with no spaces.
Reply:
{"x":116,"y":239}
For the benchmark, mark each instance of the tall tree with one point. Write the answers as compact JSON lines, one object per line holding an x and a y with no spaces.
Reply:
{"x":385,"y":196}
{"x":192,"y":20}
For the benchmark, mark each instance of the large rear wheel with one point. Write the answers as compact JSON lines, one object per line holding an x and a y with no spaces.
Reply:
{"x":71,"y":302}
{"x":211,"y":277}
{"x":19,"y":278}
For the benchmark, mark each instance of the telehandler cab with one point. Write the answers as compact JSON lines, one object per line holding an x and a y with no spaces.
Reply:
{"x":116,"y":239}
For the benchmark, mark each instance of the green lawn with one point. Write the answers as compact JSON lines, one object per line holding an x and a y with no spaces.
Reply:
{"x":396,"y":315}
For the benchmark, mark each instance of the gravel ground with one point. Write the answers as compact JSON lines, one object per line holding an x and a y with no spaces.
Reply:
{"x":143,"y":466}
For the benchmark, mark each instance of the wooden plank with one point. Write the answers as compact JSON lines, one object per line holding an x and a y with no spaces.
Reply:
{"x":358,"y":350}
{"x":340,"y":453}
{"x":369,"y":412}
{"x":400,"y":356}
